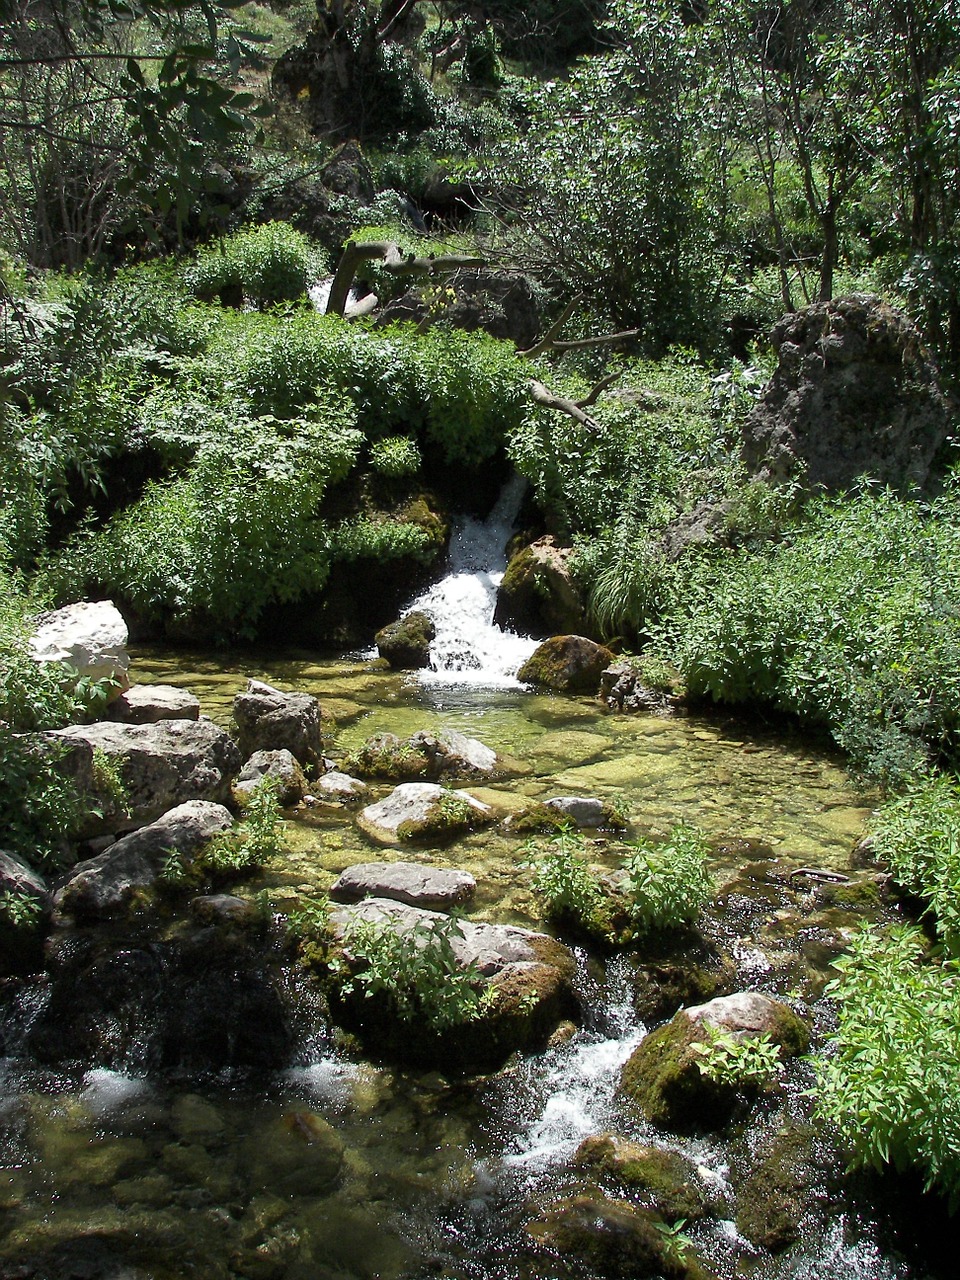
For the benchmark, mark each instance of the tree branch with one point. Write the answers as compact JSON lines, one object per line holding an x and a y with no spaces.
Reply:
{"x":544,"y":396}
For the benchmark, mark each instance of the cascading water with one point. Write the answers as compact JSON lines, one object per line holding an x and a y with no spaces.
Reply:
{"x":469,"y":649}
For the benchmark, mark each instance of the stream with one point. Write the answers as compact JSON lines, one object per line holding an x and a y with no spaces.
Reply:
{"x":341,"y":1169}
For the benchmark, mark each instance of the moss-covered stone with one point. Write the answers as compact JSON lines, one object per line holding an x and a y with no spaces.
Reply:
{"x":569,"y":664}
{"x":405,"y":644}
{"x":538,"y":595}
{"x":773,"y":1199}
{"x":669,"y":1180}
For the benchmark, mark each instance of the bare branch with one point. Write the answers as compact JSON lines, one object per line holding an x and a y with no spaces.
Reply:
{"x":548,"y":339}
{"x":595,"y":392}
{"x":543,"y":395}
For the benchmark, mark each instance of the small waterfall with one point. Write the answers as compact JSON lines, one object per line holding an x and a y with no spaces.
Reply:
{"x":468,"y":648}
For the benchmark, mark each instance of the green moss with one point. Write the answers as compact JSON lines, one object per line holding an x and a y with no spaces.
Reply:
{"x":857,"y":895}
{"x":772,"y":1200}
{"x":662,"y":1077}
{"x":448,"y":816}
{"x":669,"y":1179}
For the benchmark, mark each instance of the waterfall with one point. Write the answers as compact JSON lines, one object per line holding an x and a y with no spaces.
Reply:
{"x":468,"y":648}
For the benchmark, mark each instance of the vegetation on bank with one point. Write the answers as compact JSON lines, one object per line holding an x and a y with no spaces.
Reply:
{"x":185,"y":434}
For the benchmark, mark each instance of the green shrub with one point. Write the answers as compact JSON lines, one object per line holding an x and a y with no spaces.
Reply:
{"x":395,"y":456}
{"x":890,"y":1088}
{"x":256,"y":838}
{"x":267,"y":264}
{"x":563,"y":876}
{"x":668,"y":882}
{"x":417,"y":970}
{"x":918,"y":837}
{"x":363,"y":538}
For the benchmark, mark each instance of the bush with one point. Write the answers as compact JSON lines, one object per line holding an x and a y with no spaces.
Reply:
{"x":395,"y":456}
{"x":564,"y":878}
{"x":267,"y":264}
{"x":890,"y":1089}
{"x":668,"y":882}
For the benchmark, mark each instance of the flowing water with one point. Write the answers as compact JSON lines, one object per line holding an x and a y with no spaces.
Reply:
{"x":339,"y":1169}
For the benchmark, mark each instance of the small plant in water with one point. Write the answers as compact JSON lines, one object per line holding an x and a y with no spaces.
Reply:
{"x":310,"y":919}
{"x":22,"y":910}
{"x":417,"y":970}
{"x":255,"y":839}
{"x":562,"y":875}
{"x":668,"y":882}
{"x":753,"y":1062}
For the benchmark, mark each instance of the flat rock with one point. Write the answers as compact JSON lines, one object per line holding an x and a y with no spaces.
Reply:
{"x":420,"y":809}
{"x":160,"y":765}
{"x":148,"y":703}
{"x":91,"y":637}
{"x":436,"y":888}
{"x":109,"y":883}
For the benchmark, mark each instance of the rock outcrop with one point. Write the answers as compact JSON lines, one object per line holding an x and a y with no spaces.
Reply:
{"x":90,"y":637}
{"x":538,"y":595}
{"x":854,"y":394}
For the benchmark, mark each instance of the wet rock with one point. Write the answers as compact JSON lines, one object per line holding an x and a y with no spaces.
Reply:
{"x":774,"y":1198}
{"x":334,"y":787}
{"x":296,"y":1154}
{"x":429,"y":756}
{"x":117,"y":879}
{"x":406,"y":644}
{"x":585,"y":811}
{"x":528,"y":979}
{"x":854,"y":394}
{"x":670,"y":1181}
{"x":538,"y":595}
{"x":568,"y":664}
{"x":148,"y":703}
{"x":663,"y":987}
{"x":436,"y":888}
{"x":160,"y":765}
{"x":663,"y":1074}
{"x":17,"y":878}
{"x":610,"y":1238}
{"x":280,"y":766}
{"x":423,"y":811}
{"x":269,"y":720}
{"x":90,"y":637}
{"x":225,"y":910}
{"x":623,"y":687}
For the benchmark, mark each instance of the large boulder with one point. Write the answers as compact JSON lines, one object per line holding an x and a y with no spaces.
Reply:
{"x":568,"y":664}
{"x":436,"y":888}
{"x":159,"y":766}
{"x":854,"y":394}
{"x":538,"y":595}
{"x":120,"y":876}
{"x":271,"y":720}
{"x":526,"y":981}
{"x":664,"y":1074}
{"x":423,"y":811}
{"x":148,"y":703}
{"x":406,"y":644}
{"x":90,"y":637}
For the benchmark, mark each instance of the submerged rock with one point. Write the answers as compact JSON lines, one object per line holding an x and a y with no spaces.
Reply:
{"x":271,"y":720}
{"x":90,"y":637}
{"x":423,"y":811}
{"x":159,"y":766}
{"x":663,"y":1074}
{"x":436,"y":888}
{"x":117,"y":878}
{"x":774,"y":1198}
{"x":148,"y":703}
{"x":406,"y":644}
{"x":612,"y":1238}
{"x":568,"y":664}
{"x":668,"y":1179}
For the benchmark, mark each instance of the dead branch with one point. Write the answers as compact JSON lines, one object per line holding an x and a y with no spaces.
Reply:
{"x":544,"y":396}
{"x":548,"y":339}
{"x":394,"y":261}
{"x":598,"y":388}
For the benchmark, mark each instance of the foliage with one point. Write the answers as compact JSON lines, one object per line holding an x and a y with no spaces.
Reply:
{"x":236,"y":531}
{"x":750,"y":1061}
{"x":19,"y":909}
{"x":395,"y":456}
{"x":416,"y":969}
{"x":917,"y":835}
{"x":382,"y":540}
{"x":267,"y":264}
{"x":256,"y":838}
{"x":889,"y":1088}
{"x":563,"y":876}
{"x":310,"y":918}
{"x":668,"y":882}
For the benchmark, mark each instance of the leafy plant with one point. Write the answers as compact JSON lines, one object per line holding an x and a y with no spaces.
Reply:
{"x":416,"y":969}
{"x":750,"y":1061}
{"x":309,"y":919}
{"x":267,"y":264}
{"x":255,"y":839}
{"x":395,"y":456}
{"x":563,"y":876}
{"x":19,"y":909}
{"x":668,"y":882}
{"x":889,"y":1085}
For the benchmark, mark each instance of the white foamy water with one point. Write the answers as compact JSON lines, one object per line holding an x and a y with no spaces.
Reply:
{"x":469,"y":648}
{"x":104,"y":1090}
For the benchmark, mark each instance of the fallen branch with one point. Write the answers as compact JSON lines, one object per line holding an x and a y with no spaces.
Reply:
{"x":595,"y":392}
{"x":544,"y":396}
{"x":394,"y":261}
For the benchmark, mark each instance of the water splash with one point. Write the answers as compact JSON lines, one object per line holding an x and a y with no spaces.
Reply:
{"x":469,"y":649}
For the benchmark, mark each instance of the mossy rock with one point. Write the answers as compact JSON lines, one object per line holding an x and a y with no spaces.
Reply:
{"x":774,"y":1198}
{"x":611,"y":1238}
{"x":661,"y":988}
{"x":568,"y":664}
{"x":663,"y":1075}
{"x":538,"y":595}
{"x":389,"y":757}
{"x":667,"y":1178}
{"x":448,"y":817}
{"x":405,"y":644}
